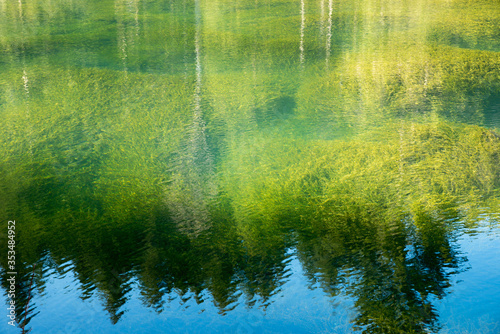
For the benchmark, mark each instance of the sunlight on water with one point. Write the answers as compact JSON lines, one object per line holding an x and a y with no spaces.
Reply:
{"x":196,"y":166}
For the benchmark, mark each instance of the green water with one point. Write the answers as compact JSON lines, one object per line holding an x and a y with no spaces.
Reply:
{"x":161,"y":157}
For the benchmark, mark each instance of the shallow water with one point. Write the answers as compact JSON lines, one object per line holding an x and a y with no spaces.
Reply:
{"x":264,"y":167}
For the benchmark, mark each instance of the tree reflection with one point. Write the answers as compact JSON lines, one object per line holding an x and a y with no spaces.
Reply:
{"x":392,"y":272}
{"x":354,"y":236}
{"x":198,"y":172}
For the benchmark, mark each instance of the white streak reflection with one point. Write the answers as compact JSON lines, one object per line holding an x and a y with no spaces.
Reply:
{"x":302,"y":27}
{"x":329,"y":32}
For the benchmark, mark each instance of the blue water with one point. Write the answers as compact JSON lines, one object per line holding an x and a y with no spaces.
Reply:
{"x":472,"y":304}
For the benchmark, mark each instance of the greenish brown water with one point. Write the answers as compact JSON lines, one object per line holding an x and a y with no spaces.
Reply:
{"x":251,"y":167}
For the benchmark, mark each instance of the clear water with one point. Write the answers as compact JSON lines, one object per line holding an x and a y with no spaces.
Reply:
{"x":250,"y":167}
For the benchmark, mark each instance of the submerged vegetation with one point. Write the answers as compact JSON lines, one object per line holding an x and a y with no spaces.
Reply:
{"x":198,"y":165}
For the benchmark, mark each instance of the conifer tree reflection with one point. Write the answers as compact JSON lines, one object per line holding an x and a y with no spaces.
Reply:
{"x":193,"y":184}
{"x":391,"y":271}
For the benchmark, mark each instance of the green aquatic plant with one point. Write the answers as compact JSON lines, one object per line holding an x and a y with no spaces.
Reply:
{"x":470,"y":27}
{"x":137,"y":163}
{"x":372,"y":215}
{"x":413,"y":167}
{"x":422,"y":83}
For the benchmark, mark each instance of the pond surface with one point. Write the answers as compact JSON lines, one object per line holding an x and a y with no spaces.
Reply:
{"x":268,"y":166}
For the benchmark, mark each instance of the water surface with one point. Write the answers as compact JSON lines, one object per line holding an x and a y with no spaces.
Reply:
{"x":251,"y":167}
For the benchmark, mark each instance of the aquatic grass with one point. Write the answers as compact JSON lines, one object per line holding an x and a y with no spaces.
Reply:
{"x":355,"y":195}
{"x":25,"y":24}
{"x":470,"y":26}
{"x":426,"y":83}
{"x":259,"y":101}
{"x":420,"y":170}
{"x":73,"y":146}
{"x":362,"y":156}
{"x":93,"y":38}
{"x":354,"y":86}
